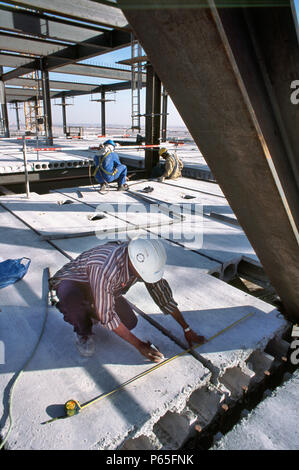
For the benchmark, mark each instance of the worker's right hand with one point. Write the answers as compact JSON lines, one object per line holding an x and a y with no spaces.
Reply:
{"x":150,"y":353}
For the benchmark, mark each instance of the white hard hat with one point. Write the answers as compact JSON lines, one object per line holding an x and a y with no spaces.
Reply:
{"x":148,"y":257}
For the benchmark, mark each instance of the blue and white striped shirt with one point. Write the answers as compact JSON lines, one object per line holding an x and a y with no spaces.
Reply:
{"x":106,"y":269}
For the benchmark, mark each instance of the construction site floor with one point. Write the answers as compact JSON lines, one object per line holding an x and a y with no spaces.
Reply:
{"x":161,"y":408}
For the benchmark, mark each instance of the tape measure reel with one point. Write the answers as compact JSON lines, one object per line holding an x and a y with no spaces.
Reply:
{"x":72,"y":407}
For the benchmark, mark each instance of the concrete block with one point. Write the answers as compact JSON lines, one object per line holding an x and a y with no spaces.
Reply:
{"x":206,"y":403}
{"x":235,"y":380}
{"x":173,"y":429}
{"x":142,"y":443}
{"x":278,"y":347}
{"x":259,"y":362}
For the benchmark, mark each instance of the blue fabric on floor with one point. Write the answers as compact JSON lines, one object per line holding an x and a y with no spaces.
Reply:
{"x":12,"y":270}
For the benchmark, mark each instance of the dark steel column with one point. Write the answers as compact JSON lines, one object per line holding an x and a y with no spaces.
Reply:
{"x":103,"y":113}
{"x":229,"y":72}
{"x":47,"y":106}
{"x":17,"y":115}
{"x":63,"y":108}
{"x":4,"y":106}
{"x":152,"y":117}
{"x":164,"y":115}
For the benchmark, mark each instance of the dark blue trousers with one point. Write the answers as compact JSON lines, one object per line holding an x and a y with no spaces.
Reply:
{"x":76,"y":305}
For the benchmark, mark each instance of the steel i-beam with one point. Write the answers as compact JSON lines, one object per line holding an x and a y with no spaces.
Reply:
{"x":3,"y":103}
{"x":152,"y":117}
{"x":47,"y":105}
{"x":103,"y":113}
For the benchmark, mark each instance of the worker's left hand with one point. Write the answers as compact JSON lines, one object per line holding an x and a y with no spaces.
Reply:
{"x":194,"y":338}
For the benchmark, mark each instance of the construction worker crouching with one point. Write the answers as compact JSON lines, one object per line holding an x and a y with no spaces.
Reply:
{"x":173,"y":165}
{"x":108,"y":167}
{"x":91,"y":288}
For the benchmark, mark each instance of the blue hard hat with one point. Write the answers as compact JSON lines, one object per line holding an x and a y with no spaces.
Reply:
{"x":110,"y":142}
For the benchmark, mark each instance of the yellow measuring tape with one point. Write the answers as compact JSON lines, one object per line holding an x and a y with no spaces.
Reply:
{"x":73,"y":407}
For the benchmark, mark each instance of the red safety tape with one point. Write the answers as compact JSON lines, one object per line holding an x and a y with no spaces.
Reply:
{"x":49,"y":148}
{"x":125,"y":147}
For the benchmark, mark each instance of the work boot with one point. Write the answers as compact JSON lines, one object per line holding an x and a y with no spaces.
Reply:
{"x":103,"y":187}
{"x":85,"y":345}
{"x":122,"y":187}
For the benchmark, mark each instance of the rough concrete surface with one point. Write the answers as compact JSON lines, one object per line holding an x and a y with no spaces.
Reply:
{"x":272,"y":425}
{"x":57,"y":373}
{"x":211,"y":308}
{"x":218,"y":241}
{"x":158,"y":410}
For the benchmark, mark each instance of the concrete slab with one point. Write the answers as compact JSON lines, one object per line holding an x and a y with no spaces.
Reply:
{"x":57,"y":373}
{"x":75,"y":153}
{"x":218,"y":240}
{"x":56,"y":213}
{"x":186,"y":190}
{"x":147,"y":410}
{"x":197,"y":186}
{"x":146,"y":217}
{"x":210,"y":306}
{"x":175,"y":194}
{"x":272,"y":425}
{"x":44,"y":214}
{"x":207,"y":193}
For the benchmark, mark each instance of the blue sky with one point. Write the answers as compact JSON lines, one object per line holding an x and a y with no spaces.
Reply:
{"x":84,"y":111}
{"x":118,"y":111}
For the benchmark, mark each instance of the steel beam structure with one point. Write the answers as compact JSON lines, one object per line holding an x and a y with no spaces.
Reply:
{"x":54,"y":84}
{"x":47,"y":106}
{"x":14,"y":60}
{"x":82,"y":10}
{"x":99,"y":71}
{"x":44,"y":26}
{"x":3,"y":102}
{"x":55,"y":37}
{"x":164,"y":115}
{"x":62,"y":55}
{"x":152,"y":117}
{"x":103,"y":113}
{"x":16,"y":106}
{"x":228,"y":72}
{"x":96,"y":71}
{"x":63,"y":108}
{"x":29,"y":45}
{"x":27,"y":94}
